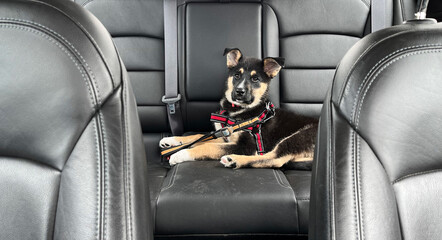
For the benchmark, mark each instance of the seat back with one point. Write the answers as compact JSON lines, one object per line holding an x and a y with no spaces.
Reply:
{"x":312,"y":39}
{"x":72,"y":163}
{"x":378,"y":160}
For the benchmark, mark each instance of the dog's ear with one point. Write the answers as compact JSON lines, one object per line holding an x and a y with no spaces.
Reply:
{"x":233,"y":56}
{"x":272,"y":66}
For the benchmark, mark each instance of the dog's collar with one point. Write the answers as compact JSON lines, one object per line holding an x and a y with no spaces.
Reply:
{"x":222,"y":118}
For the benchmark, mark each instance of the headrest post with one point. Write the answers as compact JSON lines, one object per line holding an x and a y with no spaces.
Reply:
{"x":421,"y":9}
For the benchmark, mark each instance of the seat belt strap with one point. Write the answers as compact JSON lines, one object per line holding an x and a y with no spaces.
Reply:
{"x":171,"y":97}
{"x":378,"y":15}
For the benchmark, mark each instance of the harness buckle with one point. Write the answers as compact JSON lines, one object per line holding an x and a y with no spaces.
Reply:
{"x":223,"y":132}
{"x":171,"y":102}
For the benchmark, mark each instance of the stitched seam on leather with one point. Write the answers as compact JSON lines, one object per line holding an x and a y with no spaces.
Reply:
{"x":106,"y":174}
{"x":416,"y":174}
{"x":56,"y":43}
{"x":86,"y":3}
{"x":53,"y":41}
{"x":385,"y":67}
{"x":87,"y":34}
{"x":358,"y":169}
{"x":172,"y":179}
{"x":373,"y":69}
{"x":86,"y":65}
{"x":279,"y":180}
{"x":352,"y":68}
{"x":331,"y":172}
{"x":65,"y":50}
{"x":126,"y":105}
{"x":353,"y":181}
{"x":98,"y":182}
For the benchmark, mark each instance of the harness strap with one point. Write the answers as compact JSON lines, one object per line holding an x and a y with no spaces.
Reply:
{"x":212,"y":135}
{"x":255,"y":131}
{"x":223,"y":132}
{"x":259,"y":142}
{"x":219,"y":118}
{"x":252,"y":125}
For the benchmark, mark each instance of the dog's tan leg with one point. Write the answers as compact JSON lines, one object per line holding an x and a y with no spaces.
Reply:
{"x":176,"y":141}
{"x":297,"y":147}
{"x":269,"y":160}
{"x":205,"y":151}
{"x":179,"y":140}
{"x":237,"y":161}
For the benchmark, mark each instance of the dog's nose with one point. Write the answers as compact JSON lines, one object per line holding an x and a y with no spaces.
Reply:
{"x":240,"y":92}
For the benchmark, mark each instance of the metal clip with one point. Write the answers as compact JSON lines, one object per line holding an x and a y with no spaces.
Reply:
{"x":171,"y":102}
{"x":223,"y":132}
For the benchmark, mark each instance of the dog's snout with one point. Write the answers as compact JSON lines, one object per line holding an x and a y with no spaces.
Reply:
{"x":240,"y":92}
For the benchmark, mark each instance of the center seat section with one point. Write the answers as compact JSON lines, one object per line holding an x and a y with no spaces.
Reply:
{"x":203,"y":199}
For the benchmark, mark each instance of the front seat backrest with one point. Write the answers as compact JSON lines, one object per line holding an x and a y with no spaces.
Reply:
{"x":378,"y":162}
{"x":72,"y":161}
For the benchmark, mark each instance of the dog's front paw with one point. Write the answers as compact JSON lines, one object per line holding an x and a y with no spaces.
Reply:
{"x":169,"y":142}
{"x":228,"y":161}
{"x":179,"y":157}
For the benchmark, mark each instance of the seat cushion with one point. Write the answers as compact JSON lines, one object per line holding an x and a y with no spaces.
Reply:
{"x":203,"y":197}
{"x":300,"y":182}
{"x":157,"y":169}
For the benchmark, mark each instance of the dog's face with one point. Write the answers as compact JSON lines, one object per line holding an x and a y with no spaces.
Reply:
{"x":249,"y":78}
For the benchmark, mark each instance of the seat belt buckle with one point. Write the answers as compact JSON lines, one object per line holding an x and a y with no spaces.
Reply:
{"x":171,"y":103}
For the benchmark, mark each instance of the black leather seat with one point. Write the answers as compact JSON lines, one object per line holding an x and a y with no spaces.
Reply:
{"x":377,"y":173}
{"x":313,"y":44}
{"x":312,"y":35}
{"x":72,"y":160}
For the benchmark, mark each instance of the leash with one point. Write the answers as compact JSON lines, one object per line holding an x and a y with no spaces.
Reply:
{"x":230,"y":126}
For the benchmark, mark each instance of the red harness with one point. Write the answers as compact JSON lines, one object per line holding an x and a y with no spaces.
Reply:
{"x":253,"y":126}
{"x":264,"y":116}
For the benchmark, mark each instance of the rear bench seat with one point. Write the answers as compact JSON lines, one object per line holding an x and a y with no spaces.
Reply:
{"x":203,"y":198}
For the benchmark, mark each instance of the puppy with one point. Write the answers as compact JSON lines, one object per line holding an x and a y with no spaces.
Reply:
{"x":284,"y":139}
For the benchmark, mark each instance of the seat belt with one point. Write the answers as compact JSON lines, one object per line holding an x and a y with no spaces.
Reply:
{"x":378,"y":15}
{"x":171,"y":97}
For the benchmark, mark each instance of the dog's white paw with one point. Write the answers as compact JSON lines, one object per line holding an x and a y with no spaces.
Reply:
{"x":169,"y":142}
{"x":227,"y":161}
{"x":179,"y":157}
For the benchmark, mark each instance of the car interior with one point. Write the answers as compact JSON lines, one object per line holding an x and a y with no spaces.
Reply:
{"x":88,"y":88}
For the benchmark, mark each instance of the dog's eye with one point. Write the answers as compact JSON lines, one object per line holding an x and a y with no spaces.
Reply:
{"x":255,"y":79}
{"x":237,"y":76}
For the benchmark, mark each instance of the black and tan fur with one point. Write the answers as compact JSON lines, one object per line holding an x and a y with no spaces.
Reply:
{"x":289,"y":139}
